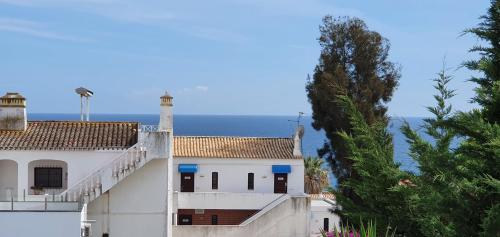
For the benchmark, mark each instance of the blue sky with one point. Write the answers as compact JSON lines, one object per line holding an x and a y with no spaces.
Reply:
{"x":216,"y":57}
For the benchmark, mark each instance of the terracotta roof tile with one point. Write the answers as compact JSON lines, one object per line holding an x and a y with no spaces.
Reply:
{"x":67,"y":135}
{"x":233,"y":147}
{"x":71,"y":135}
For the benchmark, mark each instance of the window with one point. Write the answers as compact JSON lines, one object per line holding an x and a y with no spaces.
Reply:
{"x":215,"y":220}
{"x":48,"y":177}
{"x":326,"y":226}
{"x":250,"y":181}
{"x":215,"y":180}
{"x":185,"y":220}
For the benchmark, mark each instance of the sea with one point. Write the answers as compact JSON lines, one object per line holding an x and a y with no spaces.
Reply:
{"x":252,"y":126}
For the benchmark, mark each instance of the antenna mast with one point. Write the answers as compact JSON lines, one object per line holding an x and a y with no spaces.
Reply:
{"x":298,"y":119}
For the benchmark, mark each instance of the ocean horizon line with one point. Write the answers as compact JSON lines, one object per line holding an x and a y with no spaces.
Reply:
{"x":215,"y":115}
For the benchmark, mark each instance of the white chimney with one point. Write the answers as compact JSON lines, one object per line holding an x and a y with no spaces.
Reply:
{"x":297,"y":141}
{"x":13,"y":112}
{"x":166,"y":115}
{"x":166,"y":125}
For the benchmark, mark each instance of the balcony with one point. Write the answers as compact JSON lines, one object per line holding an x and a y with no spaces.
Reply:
{"x":48,"y":206}
{"x":223,"y":200}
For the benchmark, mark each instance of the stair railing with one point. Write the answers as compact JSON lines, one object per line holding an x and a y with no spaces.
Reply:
{"x":119,"y":165}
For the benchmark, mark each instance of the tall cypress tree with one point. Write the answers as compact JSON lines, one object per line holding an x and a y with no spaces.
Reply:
{"x":353,"y":63}
{"x":488,"y":90}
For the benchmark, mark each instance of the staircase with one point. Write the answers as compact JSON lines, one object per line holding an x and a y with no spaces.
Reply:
{"x":105,"y":177}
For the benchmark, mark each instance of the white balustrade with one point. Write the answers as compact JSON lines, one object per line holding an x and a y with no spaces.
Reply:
{"x":149,"y":128}
{"x":91,"y":186}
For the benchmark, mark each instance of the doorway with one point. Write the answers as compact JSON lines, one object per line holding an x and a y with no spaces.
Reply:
{"x":187,"y":182}
{"x":280,"y":183}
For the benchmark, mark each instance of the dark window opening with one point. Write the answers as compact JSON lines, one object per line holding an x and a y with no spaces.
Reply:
{"x":326,"y":224}
{"x":250,"y":181}
{"x":215,"y":180}
{"x":48,"y":178}
{"x":214,"y":220}
{"x":185,"y":220}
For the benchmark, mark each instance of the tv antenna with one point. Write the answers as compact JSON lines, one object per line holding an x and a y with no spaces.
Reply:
{"x":298,"y":119}
{"x":83,"y":92}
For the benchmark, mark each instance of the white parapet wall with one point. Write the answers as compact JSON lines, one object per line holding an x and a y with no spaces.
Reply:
{"x":134,"y":207}
{"x":30,"y":224}
{"x":39,"y":206}
{"x":289,"y":218}
{"x":222,"y":200}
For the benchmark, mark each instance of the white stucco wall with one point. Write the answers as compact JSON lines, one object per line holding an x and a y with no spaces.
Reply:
{"x":320,"y":209}
{"x":134,"y":207}
{"x":288,"y":219}
{"x":219,"y":200}
{"x":80,"y":163}
{"x":137,"y":205}
{"x":233,"y":174}
{"x":30,"y":224}
{"x":8,"y":179}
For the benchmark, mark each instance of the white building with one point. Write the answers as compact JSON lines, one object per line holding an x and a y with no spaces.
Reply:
{"x":124,"y":179}
{"x":321,"y":215}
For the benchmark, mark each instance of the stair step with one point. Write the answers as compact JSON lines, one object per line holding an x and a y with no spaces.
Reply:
{"x":91,"y":187}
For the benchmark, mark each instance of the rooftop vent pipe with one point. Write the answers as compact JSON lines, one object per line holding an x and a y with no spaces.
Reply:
{"x":83,"y":92}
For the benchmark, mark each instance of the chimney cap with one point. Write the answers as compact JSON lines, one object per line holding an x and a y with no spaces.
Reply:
{"x":167,"y":95}
{"x":84,"y":92}
{"x":12,"y":95}
{"x":166,"y":99}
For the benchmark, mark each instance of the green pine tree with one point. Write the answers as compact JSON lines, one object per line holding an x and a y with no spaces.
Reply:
{"x":432,"y":196}
{"x":488,"y":90}
{"x":457,"y":190}
{"x":383,"y":189}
